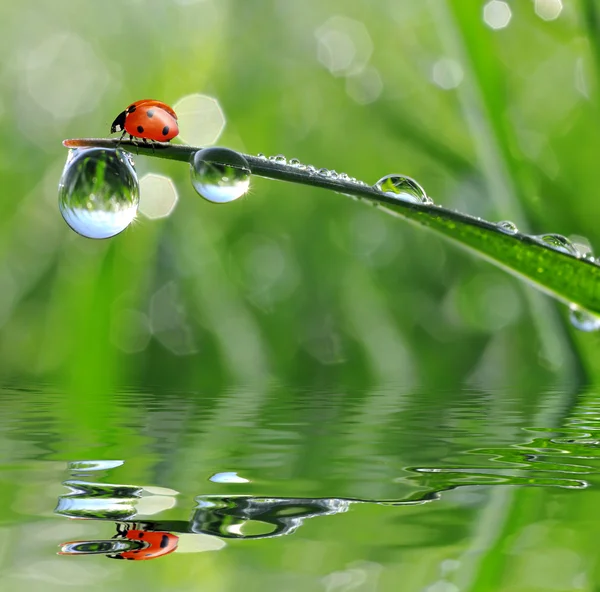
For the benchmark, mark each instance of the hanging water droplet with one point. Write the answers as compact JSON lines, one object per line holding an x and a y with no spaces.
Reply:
{"x":583,"y":320}
{"x":558,"y":242}
{"x":401,"y":187}
{"x":220,"y":175}
{"x":507,"y":227}
{"x":98,"y":192}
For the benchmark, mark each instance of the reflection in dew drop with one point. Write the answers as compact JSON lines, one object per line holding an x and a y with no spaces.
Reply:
{"x":403,"y":188}
{"x":583,"y":320}
{"x":558,"y":242}
{"x":228,"y":477}
{"x":220,"y":175}
{"x":507,"y":227}
{"x":98,"y":193}
{"x":100,"y":547}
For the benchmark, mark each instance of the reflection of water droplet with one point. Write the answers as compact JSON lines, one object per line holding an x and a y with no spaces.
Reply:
{"x":507,"y":227}
{"x":558,"y":243}
{"x":98,"y":193}
{"x":401,"y":187}
{"x":100,"y":547}
{"x":220,"y":175}
{"x":95,"y":465}
{"x":227,"y":477}
{"x":583,"y":320}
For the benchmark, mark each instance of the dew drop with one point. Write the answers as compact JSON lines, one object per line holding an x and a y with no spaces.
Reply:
{"x":583,"y":320}
{"x":294,"y":162}
{"x":279,"y":159}
{"x":220,"y":175}
{"x":558,"y":242}
{"x":261,"y":156}
{"x":507,"y":227}
{"x":401,"y":187}
{"x":98,"y":192}
{"x":344,"y":177}
{"x":310,"y":169}
{"x":323,"y":172}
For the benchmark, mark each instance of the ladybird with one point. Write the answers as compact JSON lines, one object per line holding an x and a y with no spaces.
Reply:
{"x":147,"y":119}
{"x":156,"y":544}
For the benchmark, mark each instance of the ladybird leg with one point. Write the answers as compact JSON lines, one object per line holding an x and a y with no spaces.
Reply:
{"x":121,"y":138}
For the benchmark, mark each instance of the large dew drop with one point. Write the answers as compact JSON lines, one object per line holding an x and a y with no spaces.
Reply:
{"x":220,"y":175}
{"x":403,"y":188}
{"x":98,"y":193}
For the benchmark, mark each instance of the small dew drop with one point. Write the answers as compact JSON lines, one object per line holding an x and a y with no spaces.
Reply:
{"x":401,"y":187}
{"x":261,"y":156}
{"x":344,"y":177}
{"x":294,"y":162}
{"x":220,"y":175}
{"x":310,"y":169}
{"x":507,"y":227}
{"x":333,"y":175}
{"x":279,"y":159}
{"x":324,"y":172}
{"x":583,"y":320}
{"x":98,"y":193}
{"x":558,"y":242}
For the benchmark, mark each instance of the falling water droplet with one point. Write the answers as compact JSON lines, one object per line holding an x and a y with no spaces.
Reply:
{"x":220,"y":175}
{"x":558,"y":243}
{"x":98,"y":192}
{"x":507,"y":227}
{"x":583,"y":320}
{"x":401,"y":187}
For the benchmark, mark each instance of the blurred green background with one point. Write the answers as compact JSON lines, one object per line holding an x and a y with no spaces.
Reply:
{"x":492,"y":107}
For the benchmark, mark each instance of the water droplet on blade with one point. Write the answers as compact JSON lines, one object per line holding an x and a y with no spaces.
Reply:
{"x":220,"y":175}
{"x":98,"y":192}
{"x":583,"y":320}
{"x":507,"y":227}
{"x":402,"y":187}
{"x":558,"y":242}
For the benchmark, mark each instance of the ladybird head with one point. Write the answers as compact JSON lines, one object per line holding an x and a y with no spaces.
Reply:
{"x":118,"y":125}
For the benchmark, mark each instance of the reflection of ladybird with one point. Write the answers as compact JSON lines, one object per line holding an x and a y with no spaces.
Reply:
{"x":147,"y":119}
{"x":156,"y":545}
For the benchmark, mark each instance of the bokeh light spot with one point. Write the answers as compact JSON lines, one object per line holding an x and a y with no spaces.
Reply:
{"x":366,"y":87}
{"x":497,"y":14}
{"x":158,"y":196}
{"x":548,"y":9}
{"x":201,"y":119}
{"x":344,"y":46}
{"x":447,"y":73}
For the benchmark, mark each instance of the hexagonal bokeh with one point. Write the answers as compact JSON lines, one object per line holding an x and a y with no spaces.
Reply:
{"x":201,"y":119}
{"x":158,"y":196}
{"x":548,"y":9}
{"x":497,"y":14}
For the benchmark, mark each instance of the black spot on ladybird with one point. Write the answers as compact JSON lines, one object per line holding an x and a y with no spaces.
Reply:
{"x":150,"y":113}
{"x":140,"y":535}
{"x":164,"y":541}
{"x":165,"y":130}
{"x":131,"y":108}
{"x":140,"y":129}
